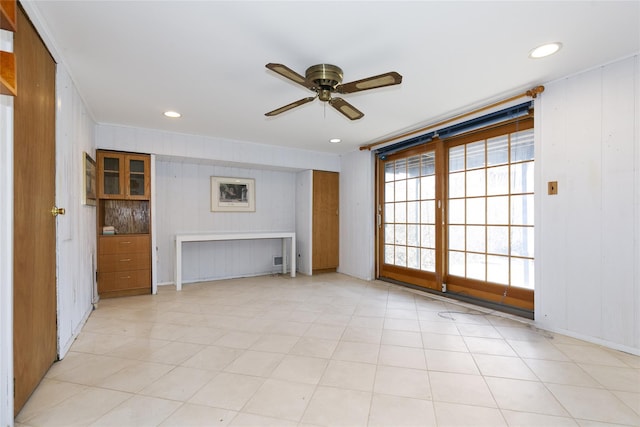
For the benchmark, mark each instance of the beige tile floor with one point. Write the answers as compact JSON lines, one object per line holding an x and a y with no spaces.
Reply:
{"x":327,"y":350}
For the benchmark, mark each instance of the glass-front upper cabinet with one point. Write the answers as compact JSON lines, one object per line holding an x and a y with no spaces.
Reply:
{"x":123,"y":176}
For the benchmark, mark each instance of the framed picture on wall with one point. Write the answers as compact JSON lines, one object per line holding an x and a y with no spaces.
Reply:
{"x":233,"y":194}
{"x":88,"y":180}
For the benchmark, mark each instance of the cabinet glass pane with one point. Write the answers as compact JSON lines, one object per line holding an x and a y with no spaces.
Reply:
{"x":136,"y":184}
{"x":112,"y":164}
{"x":136,"y":166}
{"x":111,"y":183}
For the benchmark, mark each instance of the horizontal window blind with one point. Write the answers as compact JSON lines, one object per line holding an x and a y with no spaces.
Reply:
{"x":503,"y":115}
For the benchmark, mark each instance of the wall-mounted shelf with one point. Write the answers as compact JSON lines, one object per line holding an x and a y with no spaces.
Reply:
{"x":8,"y":16}
{"x":8,"y":84}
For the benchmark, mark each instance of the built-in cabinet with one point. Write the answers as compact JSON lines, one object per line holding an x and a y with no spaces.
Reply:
{"x":325,"y":213}
{"x":124,"y":224}
{"x":123,"y":176}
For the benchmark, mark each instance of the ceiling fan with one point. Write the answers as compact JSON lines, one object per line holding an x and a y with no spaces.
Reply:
{"x":325,"y":80}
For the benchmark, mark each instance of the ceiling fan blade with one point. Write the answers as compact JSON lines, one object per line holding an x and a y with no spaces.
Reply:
{"x":382,"y":80}
{"x":288,"y":73}
{"x":290,"y":106}
{"x":351,"y":112}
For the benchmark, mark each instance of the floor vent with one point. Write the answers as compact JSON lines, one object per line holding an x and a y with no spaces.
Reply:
{"x":277,"y":260}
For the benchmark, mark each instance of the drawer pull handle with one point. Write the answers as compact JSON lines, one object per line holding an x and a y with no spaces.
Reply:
{"x":125,"y":277}
{"x":125,"y":243}
{"x":125,"y":260}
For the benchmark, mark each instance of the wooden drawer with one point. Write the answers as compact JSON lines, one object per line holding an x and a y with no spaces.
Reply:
{"x":115,"y":281}
{"x":124,"y":262}
{"x":124,"y":244}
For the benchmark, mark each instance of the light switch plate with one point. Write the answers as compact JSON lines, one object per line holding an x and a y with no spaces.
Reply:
{"x":553,"y":187}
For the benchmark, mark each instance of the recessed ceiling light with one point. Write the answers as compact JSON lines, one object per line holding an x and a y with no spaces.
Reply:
{"x":335,"y":140}
{"x":545,"y":50}
{"x":172,"y":114}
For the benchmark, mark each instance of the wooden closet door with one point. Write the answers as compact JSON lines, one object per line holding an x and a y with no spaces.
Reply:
{"x":326,"y":200}
{"x":34,"y":249}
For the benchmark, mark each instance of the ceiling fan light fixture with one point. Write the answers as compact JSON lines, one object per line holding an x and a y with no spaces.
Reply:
{"x":172,"y":114}
{"x":545,"y":50}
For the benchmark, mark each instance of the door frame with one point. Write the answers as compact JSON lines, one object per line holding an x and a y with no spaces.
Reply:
{"x":6,"y":260}
{"x":482,"y":293}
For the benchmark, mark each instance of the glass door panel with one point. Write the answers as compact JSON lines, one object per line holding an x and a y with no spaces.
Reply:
{"x":408,"y":217}
{"x":490,"y":206}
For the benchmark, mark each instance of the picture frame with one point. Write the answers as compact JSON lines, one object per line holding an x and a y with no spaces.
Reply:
{"x":233,"y":194}
{"x":89,"y":182}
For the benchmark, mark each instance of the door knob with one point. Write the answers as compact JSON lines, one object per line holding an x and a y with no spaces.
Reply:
{"x":55,"y":211}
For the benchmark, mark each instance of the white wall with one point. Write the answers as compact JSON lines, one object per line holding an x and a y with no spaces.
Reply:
{"x":222,"y":151}
{"x":75,"y":232}
{"x":588,"y":255}
{"x":304,"y":221}
{"x":357,"y":215}
{"x":183,"y":205}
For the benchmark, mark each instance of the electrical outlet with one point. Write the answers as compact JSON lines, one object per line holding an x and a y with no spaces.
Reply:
{"x":553,"y":187}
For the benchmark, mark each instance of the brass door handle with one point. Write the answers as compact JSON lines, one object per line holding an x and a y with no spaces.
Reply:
{"x":55,"y":211}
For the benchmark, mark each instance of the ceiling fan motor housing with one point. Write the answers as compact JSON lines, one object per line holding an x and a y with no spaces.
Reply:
{"x":325,"y":78}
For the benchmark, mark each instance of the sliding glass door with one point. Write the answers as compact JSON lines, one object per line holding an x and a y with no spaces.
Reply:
{"x":456,"y":215}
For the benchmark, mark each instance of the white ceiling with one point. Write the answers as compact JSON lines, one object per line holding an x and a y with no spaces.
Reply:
{"x":133,"y":60}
